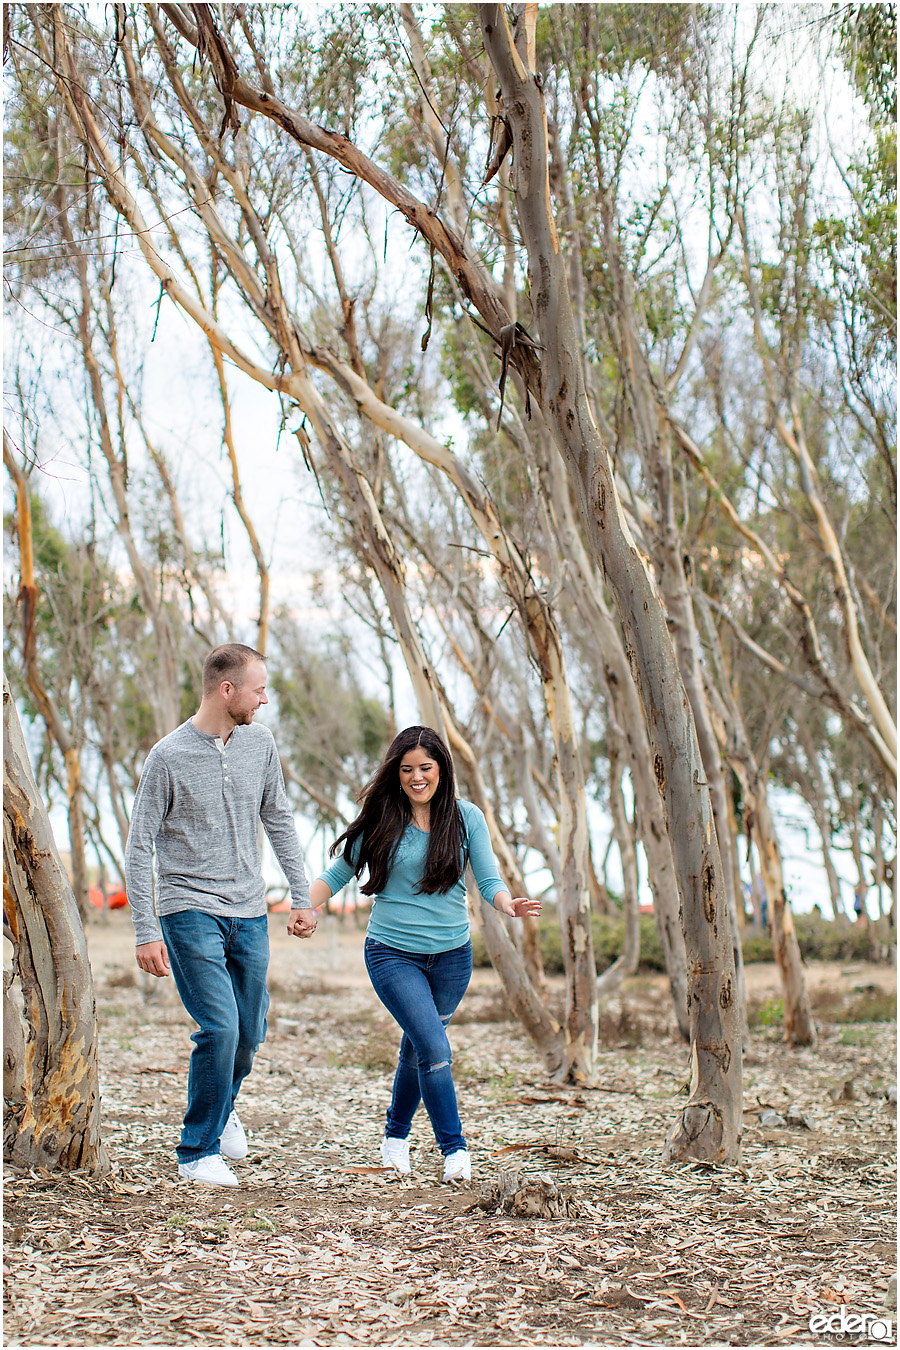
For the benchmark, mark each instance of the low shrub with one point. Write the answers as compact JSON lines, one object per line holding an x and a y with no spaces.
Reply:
{"x":757,"y":947}
{"x":872,"y":1005}
{"x":608,"y":934}
{"x":767,"y":1012}
{"x":831,"y":939}
{"x":819,"y":939}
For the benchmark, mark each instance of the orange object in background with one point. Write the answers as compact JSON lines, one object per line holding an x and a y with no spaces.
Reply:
{"x":115,"y":899}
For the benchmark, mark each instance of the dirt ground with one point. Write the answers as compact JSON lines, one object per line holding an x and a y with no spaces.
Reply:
{"x":319,"y":1246}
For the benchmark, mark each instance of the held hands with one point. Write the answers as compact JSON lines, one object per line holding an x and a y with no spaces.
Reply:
{"x":517,"y":908}
{"x":302,"y":923}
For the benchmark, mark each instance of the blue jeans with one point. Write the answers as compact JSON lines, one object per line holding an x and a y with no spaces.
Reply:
{"x":220,"y":971}
{"x":422,"y":992}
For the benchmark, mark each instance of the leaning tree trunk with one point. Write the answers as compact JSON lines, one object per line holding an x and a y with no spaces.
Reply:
{"x":627,"y":724}
{"x":626,"y":964}
{"x":708,"y":1126}
{"x":55,"y":1120}
{"x":799,"y":1027}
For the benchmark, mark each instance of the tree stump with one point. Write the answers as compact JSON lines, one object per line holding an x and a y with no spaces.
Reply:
{"x":532,"y":1198}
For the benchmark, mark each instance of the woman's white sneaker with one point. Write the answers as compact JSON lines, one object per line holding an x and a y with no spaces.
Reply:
{"x":395,"y":1153}
{"x":234,"y":1138}
{"x":458,"y":1166}
{"x":208,"y":1171}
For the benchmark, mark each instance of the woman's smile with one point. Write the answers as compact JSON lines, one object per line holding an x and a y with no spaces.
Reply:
{"x":419,"y":776}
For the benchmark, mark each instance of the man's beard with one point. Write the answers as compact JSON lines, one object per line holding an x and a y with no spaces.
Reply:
{"x":243,"y":719}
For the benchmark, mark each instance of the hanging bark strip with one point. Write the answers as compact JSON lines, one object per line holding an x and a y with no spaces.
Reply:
{"x":56,"y":1121}
{"x":709,"y":1125}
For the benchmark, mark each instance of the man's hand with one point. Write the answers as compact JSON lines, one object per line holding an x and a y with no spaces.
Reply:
{"x":152,"y":957}
{"x":302,"y":922}
{"x":518,"y":908}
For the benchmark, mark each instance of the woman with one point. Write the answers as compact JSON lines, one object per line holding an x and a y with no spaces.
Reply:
{"x":415,"y":838}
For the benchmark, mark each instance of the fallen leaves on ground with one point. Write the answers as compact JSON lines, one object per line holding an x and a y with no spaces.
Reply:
{"x":321,"y":1246}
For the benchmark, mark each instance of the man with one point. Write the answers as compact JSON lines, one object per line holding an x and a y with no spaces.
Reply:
{"x":204,"y":789}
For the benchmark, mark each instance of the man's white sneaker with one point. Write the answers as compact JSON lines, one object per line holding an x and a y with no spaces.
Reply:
{"x":234,"y":1139}
{"x":208,"y":1171}
{"x":458,"y":1166}
{"x":395,"y":1153}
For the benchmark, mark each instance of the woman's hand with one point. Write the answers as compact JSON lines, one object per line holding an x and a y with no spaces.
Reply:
{"x":517,"y":908}
{"x":302,"y":922}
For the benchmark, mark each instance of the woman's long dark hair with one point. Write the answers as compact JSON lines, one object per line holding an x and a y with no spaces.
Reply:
{"x":386,"y":811}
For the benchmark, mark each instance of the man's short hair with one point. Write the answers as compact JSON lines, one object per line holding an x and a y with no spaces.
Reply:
{"x":227,"y":662}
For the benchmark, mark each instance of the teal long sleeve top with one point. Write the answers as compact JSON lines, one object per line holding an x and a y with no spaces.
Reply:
{"x":401,"y":916}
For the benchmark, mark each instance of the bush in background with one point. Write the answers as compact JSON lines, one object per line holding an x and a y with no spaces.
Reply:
{"x":819,"y":939}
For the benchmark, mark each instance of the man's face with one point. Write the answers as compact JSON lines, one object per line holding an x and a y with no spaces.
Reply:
{"x":242,"y":700}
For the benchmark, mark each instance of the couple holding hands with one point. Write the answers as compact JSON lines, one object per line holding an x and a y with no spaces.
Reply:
{"x":203,"y":791}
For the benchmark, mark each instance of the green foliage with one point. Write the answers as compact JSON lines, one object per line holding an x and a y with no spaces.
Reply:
{"x":768,"y":1013}
{"x":871,"y":1005}
{"x":857,"y":1035}
{"x":823,"y":940}
{"x":860,"y":246}
{"x":818,"y":939}
{"x":608,"y":936}
{"x":869,"y":42}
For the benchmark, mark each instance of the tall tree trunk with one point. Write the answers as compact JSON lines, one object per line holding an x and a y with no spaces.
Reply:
{"x":626,"y":963}
{"x":654,"y":440}
{"x":56,"y":1123}
{"x":626,"y":723}
{"x":709,"y":1125}
{"x":799,"y":1027}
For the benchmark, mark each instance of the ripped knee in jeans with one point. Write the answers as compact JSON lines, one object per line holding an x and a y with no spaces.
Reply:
{"x":443,"y":1063}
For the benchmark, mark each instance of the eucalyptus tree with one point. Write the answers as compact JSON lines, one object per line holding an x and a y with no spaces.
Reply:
{"x":52,"y":1102}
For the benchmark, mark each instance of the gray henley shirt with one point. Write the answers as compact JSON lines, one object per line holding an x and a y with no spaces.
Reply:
{"x":199,"y":802}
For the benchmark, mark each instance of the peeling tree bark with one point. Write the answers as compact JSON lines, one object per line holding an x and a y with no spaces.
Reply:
{"x":709,"y":1126}
{"x":625,"y":965}
{"x":56,"y":1121}
{"x":627,"y":723}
